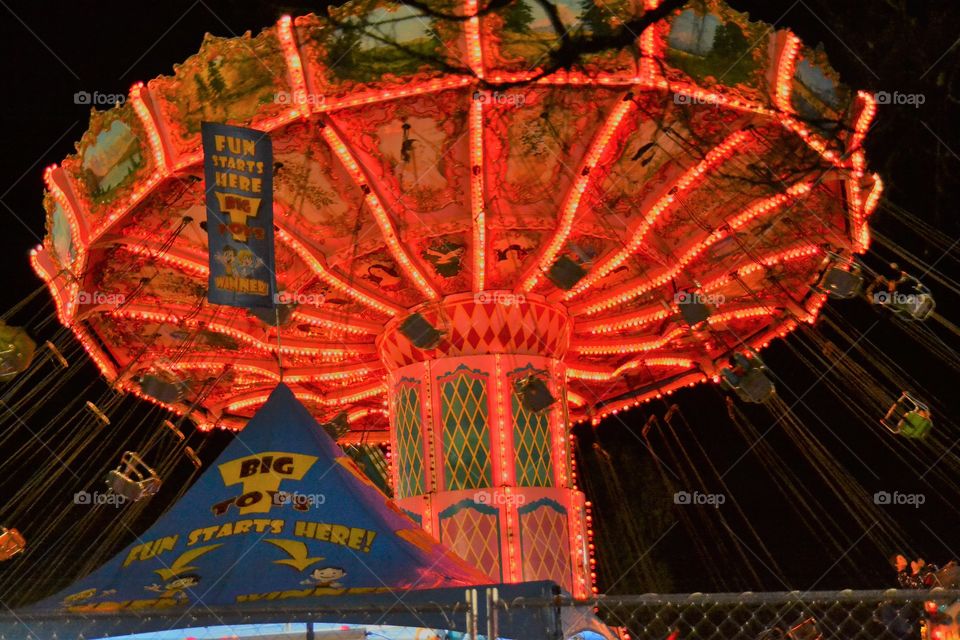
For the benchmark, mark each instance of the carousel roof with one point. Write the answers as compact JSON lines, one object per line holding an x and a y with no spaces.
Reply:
{"x":417,"y":157}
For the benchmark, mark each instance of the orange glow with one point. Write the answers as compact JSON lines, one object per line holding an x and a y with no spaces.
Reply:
{"x":315,"y":264}
{"x":716,"y":156}
{"x":318,"y":319}
{"x":474,"y":45}
{"x":397,"y":249}
{"x":288,"y":42}
{"x":588,"y":172}
{"x":333,"y":353}
{"x":153,"y":134}
{"x":623,"y":294}
{"x":169,"y":257}
{"x":786,"y":68}
{"x":476,"y":194}
{"x":617,"y":407}
{"x":307,"y":396}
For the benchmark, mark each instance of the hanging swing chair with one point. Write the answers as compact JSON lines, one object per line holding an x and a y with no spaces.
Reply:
{"x":16,"y":351}
{"x":133,"y":479}
{"x":908,"y":417}
{"x":910,"y":299}
{"x":11,"y":543}
{"x":843,"y":279}
{"x":747,"y":377}
{"x":534,"y":394}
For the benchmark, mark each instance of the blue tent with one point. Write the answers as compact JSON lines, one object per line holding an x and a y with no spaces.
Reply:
{"x":283,"y":527}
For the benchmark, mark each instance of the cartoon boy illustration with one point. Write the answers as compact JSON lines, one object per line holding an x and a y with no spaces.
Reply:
{"x":228,"y":258}
{"x":326,"y":577}
{"x":175,"y":587}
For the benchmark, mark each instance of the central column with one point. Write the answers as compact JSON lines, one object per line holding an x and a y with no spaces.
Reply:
{"x":471,"y":463}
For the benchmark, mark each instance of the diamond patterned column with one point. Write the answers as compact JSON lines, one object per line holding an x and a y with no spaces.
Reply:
{"x":485,"y":474}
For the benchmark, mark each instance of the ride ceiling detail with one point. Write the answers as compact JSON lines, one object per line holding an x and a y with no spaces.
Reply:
{"x":547,"y":225}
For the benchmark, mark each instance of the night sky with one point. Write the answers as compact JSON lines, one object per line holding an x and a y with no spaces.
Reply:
{"x":51,"y":50}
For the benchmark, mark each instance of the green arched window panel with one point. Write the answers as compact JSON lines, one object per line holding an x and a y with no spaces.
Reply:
{"x":531,"y":442}
{"x":409,"y":442}
{"x":466,"y":439}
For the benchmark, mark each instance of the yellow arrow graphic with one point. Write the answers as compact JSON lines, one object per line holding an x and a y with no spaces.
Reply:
{"x":298,"y":554}
{"x":182,"y":564}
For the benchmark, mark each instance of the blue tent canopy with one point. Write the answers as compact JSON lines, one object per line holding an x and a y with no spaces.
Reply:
{"x":282,"y":527}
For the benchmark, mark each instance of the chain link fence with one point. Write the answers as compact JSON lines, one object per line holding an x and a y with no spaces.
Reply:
{"x":825,"y":615}
{"x":530,"y":612}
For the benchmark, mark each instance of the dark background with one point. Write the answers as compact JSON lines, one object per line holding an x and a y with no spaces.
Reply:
{"x":50,"y":50}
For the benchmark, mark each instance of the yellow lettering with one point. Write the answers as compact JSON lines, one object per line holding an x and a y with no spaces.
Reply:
{"x":339,"y":534}
{"x":356,"y":538}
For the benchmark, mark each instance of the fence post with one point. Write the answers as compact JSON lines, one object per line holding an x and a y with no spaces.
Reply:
{"x":472,"y":622}
{"x":493,"y":606}
{"x":557,"y":613}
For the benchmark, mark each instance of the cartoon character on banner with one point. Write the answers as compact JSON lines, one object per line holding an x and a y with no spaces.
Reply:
{"x":175,"y":587}
{"x":326,"y":577}
{"x":243,"y":263}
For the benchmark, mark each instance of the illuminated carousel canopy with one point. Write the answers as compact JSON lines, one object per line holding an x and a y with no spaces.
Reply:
{"x":546,"y":224}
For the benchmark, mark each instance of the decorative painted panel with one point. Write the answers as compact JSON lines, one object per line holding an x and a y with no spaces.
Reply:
{"x":532,"y":446}
{"x":544,"y":543}
{"x":466,"y":439}
{"x":472,"y":531}
{"x":409,"y":441}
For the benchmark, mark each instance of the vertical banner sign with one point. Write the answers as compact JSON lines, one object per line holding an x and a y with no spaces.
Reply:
{"x":238,"y":172}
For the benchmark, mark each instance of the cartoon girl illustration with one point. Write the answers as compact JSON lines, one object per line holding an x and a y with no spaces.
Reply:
{"x":247,"y":263}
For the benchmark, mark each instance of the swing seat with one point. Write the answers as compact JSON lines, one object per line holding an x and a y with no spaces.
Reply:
{"x":908,"y":417}
{"x":162,"y":388}
{"x":912,"y":300}
{"x":730,"y":378}
{"x":917,"y":306}
{"x":534,"y":394}
{"x":130,"y":488}
{"x":16,"y":351}
{"x":755,"y":387}
{"x":840,"y":283}
{"x":914,"y":425}
{"x":694,"y":313}
{"x":420,"y":332}
{"x":749,"y":379}
{"x":11,"y":543}
{"x":133,"y":479}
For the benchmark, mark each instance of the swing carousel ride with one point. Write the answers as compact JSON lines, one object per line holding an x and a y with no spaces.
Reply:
{"x":473,"y":251}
